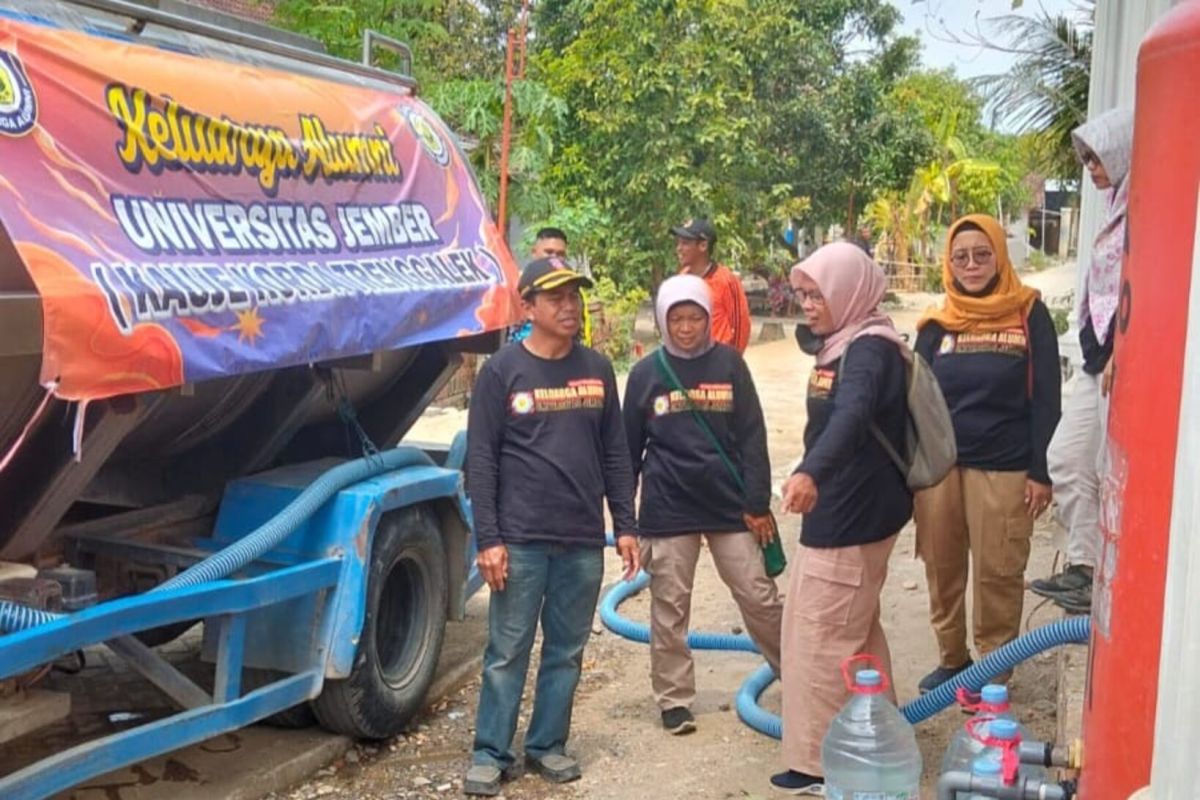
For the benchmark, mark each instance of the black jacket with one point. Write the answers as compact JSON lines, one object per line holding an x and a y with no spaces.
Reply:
{"x":1004,"y":406}
{"x":862,"y":497}
{"x":686,"y":487}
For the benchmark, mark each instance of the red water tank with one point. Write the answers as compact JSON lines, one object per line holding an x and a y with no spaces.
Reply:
{"x":1118,"y":723}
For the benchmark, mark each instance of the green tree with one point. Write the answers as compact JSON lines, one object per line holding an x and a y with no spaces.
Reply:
{"x":968,"y":168}
{"x":475,"y":110}
{"x":459,"y":59}
{"x":738,"y":109}
{"x":1046,"y":91}
{"x":450,"y":39}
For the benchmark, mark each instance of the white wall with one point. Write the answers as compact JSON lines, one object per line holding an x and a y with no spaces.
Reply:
{"x":1175,"y":773}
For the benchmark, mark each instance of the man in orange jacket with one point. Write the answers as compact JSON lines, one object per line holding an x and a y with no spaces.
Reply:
{"x":695,"y":241}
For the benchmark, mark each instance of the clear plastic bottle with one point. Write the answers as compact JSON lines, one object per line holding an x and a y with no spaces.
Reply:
{"x":985,"y":767}
{"x":965,"y":748}
{"x":870,"y":749}
{"x":1000,"y":732}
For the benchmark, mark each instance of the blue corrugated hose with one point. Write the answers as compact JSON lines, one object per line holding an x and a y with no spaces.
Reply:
{"x":1073,"y":630}
{"x":15,"y":617}
{"x":640,"y":632}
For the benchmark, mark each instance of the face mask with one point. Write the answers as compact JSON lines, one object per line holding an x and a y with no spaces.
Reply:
{"x":809,"y":342}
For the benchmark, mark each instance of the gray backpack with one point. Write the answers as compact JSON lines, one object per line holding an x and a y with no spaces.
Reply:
{"x":929,"y":435}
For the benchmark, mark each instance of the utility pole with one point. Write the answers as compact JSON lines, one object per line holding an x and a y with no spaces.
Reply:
{"x":514,"y":70}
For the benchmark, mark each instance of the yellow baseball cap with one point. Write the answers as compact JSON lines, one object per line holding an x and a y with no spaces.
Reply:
{"x":544,"y":274}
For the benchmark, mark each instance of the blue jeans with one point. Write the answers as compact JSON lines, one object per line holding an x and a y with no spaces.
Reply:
{"x":560,"y":584}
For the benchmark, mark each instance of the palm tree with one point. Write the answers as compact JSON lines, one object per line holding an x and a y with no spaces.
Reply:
{"x":910,"y":219}
{"x":1046,"y":92}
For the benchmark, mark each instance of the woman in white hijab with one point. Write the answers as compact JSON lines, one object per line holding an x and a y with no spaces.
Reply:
{"x":699,"y":444}
{"x":1105,"y":146}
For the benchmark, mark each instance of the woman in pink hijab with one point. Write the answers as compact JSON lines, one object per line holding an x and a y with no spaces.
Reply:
{"x":853,"y":497}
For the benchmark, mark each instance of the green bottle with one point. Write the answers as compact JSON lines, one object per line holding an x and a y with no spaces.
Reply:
{"x":773,"y":558}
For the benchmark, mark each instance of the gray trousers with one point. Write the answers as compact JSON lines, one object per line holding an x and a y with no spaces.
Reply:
{"x":1075,"y":461}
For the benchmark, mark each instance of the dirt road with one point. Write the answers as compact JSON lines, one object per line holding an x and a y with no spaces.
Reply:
{"x":616,"y":730}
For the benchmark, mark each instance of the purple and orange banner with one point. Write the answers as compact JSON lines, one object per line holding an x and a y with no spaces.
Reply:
{"x":185,"y":218}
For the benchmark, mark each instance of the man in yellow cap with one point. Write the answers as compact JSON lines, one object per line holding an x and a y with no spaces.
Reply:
{"x":546,"y":442}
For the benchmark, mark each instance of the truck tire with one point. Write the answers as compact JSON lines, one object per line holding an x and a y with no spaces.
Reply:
{"x":407,"y":589}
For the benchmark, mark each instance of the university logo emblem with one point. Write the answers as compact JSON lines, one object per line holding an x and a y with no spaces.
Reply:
{"x":431,"y":141}
{"x":522,"y":403}
{"x":18,"y":103}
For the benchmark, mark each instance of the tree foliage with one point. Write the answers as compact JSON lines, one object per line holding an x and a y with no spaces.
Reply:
{"x":475,"y":110}
{"x":969,"y":168}
{"x":637,"y":114}
{"x":450,"y":39}
{"x":735,"y":109}
{"x":1046,"y":92}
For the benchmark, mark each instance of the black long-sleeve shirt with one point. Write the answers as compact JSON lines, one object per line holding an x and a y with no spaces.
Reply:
{"x":1003,"y":407}
{"x":862,"y":497}
{"x":1096,"y":355}
{"x":686,"y":487}
{"x":545,"y":448}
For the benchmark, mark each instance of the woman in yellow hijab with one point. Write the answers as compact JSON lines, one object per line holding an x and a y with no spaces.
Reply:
{"x":994,"y":351}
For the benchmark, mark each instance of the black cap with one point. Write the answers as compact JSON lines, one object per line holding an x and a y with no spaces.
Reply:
{"x":696,"y":229}
{"x":542,"y":274}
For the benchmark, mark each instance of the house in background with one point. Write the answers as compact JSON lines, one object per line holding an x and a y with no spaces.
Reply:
{"x":1053,"y":218}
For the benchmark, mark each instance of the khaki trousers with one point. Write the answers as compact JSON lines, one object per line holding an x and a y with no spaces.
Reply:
{"x":831,"y":612}
{"x":671,"y":562}
{"x":981,"y":512}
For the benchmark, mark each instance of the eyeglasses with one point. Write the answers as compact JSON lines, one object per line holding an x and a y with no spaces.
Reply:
{"x":980,"y":255}
{"x":816,"y":298}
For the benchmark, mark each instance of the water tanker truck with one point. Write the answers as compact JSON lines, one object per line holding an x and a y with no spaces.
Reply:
{"x":234,"y":270}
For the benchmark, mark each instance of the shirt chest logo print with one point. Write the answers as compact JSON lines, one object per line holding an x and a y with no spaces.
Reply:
{"x":715,"y":398}
{"x":820,"y":382}
{"x":1008,"y":342}
{"x":947,"y":345}
{"x":586,"y":393}
{"x":521,"y":403}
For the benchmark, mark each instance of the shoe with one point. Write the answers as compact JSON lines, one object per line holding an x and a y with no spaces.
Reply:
{"x":797,"y":783}
{"x":1072,"y":578}
{"x":555,"y":767}
{"x":1077,"y":601}
{"x":940,"y":676}
{"x":482,"y":780}
{"x":678,"y":721}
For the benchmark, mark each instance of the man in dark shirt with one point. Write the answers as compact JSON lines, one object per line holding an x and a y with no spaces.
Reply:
{"x":546,"y":446}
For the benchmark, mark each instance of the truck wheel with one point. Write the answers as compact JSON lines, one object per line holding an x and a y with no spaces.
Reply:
{"x":402,"y":632}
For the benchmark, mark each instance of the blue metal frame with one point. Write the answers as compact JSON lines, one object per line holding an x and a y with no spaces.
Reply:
{"x":345,"y":528}
{"x":23,"y":651}
{"x":300,"y":609}
{"x":225,"y":603}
